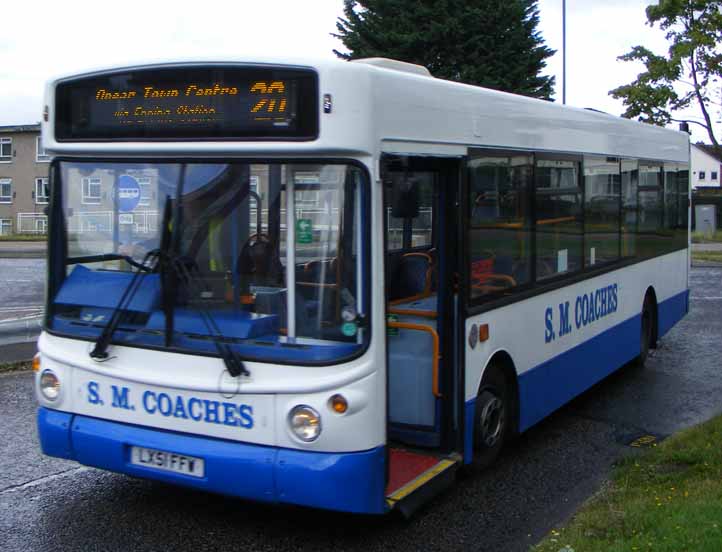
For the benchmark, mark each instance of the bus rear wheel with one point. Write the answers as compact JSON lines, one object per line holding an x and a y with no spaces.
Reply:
{"x":647,"y":329}
{"x":491,"y":417}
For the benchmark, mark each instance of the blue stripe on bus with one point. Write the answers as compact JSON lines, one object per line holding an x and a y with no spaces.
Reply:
{"x":54,"y":432}
{"x":550,"y":385}
{"x":352,"y":482}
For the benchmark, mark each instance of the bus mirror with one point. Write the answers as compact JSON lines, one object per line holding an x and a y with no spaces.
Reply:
{"x":405,"y":199}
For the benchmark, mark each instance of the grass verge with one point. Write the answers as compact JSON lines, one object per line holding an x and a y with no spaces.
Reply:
{"x":714,"y":256}
{"x":24,"y":238}
{"x":701,"y":237}
{"x":15,"y":366}
{"x":668,"y":498}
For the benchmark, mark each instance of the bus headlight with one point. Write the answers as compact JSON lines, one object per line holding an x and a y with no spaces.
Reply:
{"x":49,"y":385}
{"x":305,"y":423}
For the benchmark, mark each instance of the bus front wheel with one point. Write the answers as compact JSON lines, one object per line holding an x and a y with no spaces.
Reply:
{"x":491,"y":417}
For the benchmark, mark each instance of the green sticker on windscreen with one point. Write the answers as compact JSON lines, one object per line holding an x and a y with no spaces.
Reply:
{"x":392,"y":332}
{"x":349,"y":329}
{"x":304,"y":231}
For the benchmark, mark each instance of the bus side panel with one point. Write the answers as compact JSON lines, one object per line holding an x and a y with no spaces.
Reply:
{"x":672,"y":311}
{"x":552,"y":384}
{"x":558,"y":351}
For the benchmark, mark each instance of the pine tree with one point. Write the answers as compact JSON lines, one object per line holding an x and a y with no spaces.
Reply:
{"x":491,"y":43}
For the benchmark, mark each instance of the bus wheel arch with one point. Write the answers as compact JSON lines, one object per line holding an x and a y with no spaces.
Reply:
{"x":496,"y":410}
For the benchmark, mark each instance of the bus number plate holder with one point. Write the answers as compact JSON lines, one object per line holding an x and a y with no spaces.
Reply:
{"x":167,"y":461}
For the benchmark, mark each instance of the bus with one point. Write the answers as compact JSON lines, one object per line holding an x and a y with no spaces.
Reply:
{"x":333,"y":284}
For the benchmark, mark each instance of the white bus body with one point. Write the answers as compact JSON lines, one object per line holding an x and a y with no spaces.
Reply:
{"x":231,"y":434}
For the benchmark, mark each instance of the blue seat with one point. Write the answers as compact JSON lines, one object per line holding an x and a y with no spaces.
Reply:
{"x":413,"y":276}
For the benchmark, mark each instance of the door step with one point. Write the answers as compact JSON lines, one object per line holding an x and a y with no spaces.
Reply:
{"x":415,"y":478}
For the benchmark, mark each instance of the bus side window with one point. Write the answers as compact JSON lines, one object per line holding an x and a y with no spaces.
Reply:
{"x":602,"y":186}
{"x":499,"y":222}
{"x":558,"y":217}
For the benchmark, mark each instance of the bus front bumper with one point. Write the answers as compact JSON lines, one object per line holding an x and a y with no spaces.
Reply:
{"x":352,"y":482}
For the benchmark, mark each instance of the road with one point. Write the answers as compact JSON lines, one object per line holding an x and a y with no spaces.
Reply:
{"x":49,"y":504}
{"x":22,"y":287}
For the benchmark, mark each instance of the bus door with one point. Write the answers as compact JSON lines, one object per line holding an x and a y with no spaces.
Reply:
{"x":421,"y":275}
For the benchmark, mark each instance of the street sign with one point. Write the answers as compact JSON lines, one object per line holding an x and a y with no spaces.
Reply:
{"x":128,"y":193}
{"x":304,"y":231}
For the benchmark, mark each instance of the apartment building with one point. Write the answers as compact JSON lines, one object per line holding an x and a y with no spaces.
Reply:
{"x":23,"y":180}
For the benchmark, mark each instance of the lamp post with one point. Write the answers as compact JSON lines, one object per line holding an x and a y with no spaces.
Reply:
{"x":564,"y":52}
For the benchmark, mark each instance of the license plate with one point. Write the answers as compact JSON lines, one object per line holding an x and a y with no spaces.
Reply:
{"x":167,"y":461}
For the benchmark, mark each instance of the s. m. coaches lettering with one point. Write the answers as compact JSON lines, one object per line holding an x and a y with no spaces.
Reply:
{"x":588,"y":308}
{"x":175,"y":406}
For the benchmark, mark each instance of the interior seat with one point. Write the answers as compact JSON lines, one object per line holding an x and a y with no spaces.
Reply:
{"x":413,"y":277}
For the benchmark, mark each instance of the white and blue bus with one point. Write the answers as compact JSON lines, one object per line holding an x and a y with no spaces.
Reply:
{"x":333,"y":283}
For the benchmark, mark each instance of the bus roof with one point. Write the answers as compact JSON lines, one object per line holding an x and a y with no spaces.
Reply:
{"x":383,"y":105}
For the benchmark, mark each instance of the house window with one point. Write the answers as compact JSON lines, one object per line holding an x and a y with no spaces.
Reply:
{"x":6,"y":150}
{"x":91,"y":191}
{"x":713,"y":175}
{"x":6,"y":190}
{"x":6,"y":227}
{"x":146,"y":195}
{"x":41,"y":225}
{"x":42,"y":191}
{"x":702,"y":175}
{"x":40,"y":155}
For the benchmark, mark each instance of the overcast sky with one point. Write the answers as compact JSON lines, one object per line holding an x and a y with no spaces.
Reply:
{"x":46,"y":38}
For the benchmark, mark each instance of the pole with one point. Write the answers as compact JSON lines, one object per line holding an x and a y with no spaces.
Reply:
{"x":291,"y":257}
{"x":564,"y":52}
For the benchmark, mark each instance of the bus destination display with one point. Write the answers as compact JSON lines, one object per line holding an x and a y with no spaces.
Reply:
{"x":189,"y":104}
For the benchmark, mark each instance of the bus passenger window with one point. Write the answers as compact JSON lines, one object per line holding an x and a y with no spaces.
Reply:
{"x":499,"y":223}
{"x":680,"y":234}
{"x":650,"y":239}
{"x":558,"y":218}
{"x":630,"y":207}
{"x":601,"y":210}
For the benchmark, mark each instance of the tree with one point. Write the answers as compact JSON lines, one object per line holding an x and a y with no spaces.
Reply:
{"x":687,"y":75}
{"x":492,"y":43}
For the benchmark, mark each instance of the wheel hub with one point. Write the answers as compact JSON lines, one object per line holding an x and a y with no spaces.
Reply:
{"x":491,"y":421}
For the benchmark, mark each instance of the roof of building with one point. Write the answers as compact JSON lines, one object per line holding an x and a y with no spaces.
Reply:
{"x":709,"y":149}
{"x":8,"y":129}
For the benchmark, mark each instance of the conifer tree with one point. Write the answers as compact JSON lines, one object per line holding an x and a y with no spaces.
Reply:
{"x":491,"y":43}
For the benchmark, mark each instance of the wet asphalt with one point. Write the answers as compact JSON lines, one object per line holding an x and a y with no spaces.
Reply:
{"x":22,"y":287}
{"x":50,"y":504}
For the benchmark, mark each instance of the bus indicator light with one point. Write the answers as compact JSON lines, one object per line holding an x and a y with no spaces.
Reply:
{"x":339,"y":404}
{"x":483,"y":332}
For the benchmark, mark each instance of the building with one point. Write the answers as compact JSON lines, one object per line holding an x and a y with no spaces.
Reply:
{"x":706,"y":188}
{"x":706,"y":166}
{"x":23,"y":181}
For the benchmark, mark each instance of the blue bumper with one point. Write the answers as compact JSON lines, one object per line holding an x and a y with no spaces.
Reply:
{"x":351,"y":482}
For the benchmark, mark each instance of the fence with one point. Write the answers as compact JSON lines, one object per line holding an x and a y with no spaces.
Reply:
{"x":31,"y":223}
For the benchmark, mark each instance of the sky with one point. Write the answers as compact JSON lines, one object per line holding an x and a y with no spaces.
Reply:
{"x":48,"y":38}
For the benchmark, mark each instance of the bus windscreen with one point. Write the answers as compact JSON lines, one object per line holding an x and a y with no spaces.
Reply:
{"x":189,"y":103}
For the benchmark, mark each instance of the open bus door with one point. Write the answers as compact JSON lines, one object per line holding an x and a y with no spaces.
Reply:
{"x":425,"y":372}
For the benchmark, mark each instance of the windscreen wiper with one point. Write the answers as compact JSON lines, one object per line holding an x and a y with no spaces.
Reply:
{"x":100,"y":351}
{"x":109,"y":257}
{"x":234,"y":364}
{"x":150,"y":263}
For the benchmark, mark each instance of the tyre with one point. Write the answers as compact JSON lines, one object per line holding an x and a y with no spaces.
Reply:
{"x":492,"y":417}
{"x":646,"y":334}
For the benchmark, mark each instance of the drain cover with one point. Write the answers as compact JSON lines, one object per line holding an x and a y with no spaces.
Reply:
{"x":640,"y":439}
